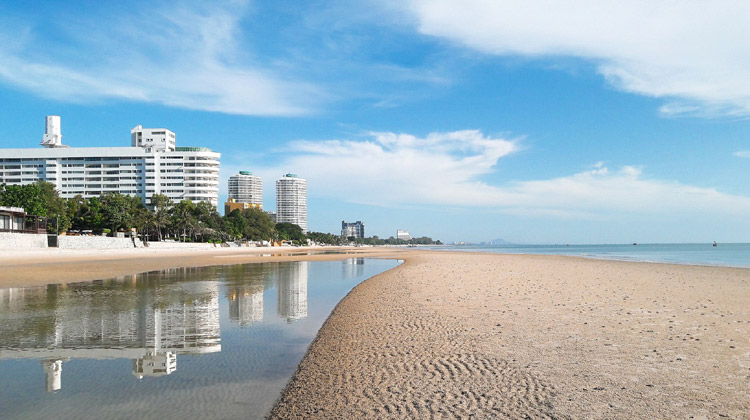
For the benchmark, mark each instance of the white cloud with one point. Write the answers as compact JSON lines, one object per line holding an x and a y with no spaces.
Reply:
{"x":694,"y":54}
{"x":743,"y":153}
{"x":183,"y":55}
{"x":447,"y":170}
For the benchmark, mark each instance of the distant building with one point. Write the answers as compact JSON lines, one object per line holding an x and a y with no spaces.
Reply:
{"x":246,"y":188}
{"x":152,"y":165}
{"x":272,"y":215}
{"x":356,"y":229}
{"x":291,"y":201}
{"x":403,"y":234}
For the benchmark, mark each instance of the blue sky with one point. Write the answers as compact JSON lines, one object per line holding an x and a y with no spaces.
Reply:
{"x":533,"y":121}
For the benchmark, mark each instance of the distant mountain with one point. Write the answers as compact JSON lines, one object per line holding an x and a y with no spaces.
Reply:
{"x":499,"y":241}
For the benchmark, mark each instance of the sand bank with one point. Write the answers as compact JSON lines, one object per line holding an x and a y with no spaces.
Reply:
{"x":44,"y":266}
{"x":485,"y":336}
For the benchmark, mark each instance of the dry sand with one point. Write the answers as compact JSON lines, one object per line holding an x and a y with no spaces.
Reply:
{"x":455,"y":335}
{"x":492,"y":336}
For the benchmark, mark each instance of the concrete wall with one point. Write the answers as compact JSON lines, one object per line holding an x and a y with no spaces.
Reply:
{"x":22,"y":240}
{"x":95,"y":242}
{"x":178,"y":245}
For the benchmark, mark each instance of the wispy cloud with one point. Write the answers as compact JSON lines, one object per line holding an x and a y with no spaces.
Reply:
{"x":447,"y":170}
{"x":692,"y":54}
{"x":743,"y":154}
{"x":187,"y":55}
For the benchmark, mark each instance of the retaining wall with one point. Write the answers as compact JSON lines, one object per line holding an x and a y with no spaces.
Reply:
{"x":22,"y":240}
{"x":95,"y":242}
{"x":173,"y":245}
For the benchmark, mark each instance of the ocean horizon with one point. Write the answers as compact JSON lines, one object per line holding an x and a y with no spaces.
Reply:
{"x":723,"y":255}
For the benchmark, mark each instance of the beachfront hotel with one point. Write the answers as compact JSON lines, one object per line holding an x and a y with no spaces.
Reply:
{"x":153,"y":164}
{"x":245,"y":191}
{"x":403,"y":234}
{"x":355,"y":230}
{"x":291,"y":201}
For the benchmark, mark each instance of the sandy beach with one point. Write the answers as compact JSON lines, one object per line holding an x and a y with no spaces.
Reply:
{"x":459,"y":335}
{"x":492,"y":336}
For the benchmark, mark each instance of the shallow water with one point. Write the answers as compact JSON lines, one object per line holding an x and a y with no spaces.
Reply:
{"x":726,"y":255}
{"x":213,"y":342}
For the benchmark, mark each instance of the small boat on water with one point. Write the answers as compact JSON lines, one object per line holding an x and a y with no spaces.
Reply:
{"x":715,"y":244}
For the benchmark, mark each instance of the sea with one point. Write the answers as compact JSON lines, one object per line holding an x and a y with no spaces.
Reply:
{"x":723,"y":255}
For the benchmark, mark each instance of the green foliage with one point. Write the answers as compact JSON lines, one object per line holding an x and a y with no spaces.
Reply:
{"x":325,"y":238}
{"x":38,"y":199}
{"x":290,"y":232}
{"x":260,"y":226}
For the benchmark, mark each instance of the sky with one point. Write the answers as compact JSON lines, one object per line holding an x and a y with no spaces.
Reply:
{"x":534,"y":121}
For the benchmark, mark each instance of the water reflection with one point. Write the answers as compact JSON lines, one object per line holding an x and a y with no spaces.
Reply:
{"x":149,"y":318}
{"x":292,"y":292}
{"x":238,"y":333}
{"x":120,"y":318}
{"x":353,"y":266}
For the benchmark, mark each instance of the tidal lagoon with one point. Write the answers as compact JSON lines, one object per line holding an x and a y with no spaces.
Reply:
{"x":212,"y":342}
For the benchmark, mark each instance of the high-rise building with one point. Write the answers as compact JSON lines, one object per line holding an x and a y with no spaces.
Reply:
{"x":403,"y":234}
{"x":356,"y":229}
{"x":291,"y":201}
{"x":246,"y":188}
{"x":152,"y":165}
{"x":245,"y":191}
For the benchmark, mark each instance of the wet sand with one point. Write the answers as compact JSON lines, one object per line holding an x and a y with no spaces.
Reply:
{"x":46,"y":266}
{"x":493,"y":336}
{"x":459,"y":335}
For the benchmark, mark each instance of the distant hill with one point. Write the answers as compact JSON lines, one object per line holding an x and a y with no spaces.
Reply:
{"x":499,"y":241}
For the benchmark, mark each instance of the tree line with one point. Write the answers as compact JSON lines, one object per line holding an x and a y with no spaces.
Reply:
{"x":163,"y":218}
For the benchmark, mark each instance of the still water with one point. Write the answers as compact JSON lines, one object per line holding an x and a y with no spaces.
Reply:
{"x":213,"y":342}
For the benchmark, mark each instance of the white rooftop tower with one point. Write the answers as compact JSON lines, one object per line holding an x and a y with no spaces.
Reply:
{"x":52,"y":135}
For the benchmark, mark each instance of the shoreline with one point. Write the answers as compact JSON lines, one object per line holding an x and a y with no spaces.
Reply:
{"x":461,"y":334}
{"x":26,"y":268}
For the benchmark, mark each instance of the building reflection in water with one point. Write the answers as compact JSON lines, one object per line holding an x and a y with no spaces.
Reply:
{"x":246,"y":304}
{"x":292,"y":290}
{"x":353,"y":267}
{"x":118,"y":318}
{"x":150,"y":318}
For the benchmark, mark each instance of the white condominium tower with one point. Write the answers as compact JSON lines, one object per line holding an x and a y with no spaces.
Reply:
{"x":152,"y":165}
{"x":246,"y":188}
{"x":291,"y":201}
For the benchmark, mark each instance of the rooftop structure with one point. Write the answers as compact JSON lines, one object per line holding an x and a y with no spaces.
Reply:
{"x":152,"y":165}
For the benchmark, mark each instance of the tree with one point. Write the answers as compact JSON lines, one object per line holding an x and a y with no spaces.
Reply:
{"x":38,"y":199}
{"x":235,"y":224}
{"x":182,"y":219}
{"x":161,"y":204}
{"x":290,"y":232}
{"x":260,"y":226}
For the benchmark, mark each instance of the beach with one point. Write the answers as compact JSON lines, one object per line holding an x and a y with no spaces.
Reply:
{"x":462,"y":335}
{"x":494,"y":336}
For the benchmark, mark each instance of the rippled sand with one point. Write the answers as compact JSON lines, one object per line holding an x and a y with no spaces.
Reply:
{"x":484,"y":336}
